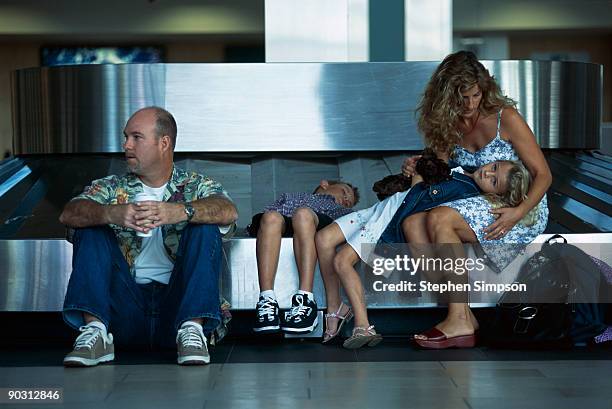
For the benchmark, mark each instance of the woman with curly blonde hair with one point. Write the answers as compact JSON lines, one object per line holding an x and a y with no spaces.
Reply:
{"x":466,"y":119}
{"x":442,"y":107}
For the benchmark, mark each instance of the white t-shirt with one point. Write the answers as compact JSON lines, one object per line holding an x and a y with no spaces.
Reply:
{"x":153,"y":263}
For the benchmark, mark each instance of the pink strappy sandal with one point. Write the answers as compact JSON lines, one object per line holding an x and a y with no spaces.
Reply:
{"x":342,"y":319}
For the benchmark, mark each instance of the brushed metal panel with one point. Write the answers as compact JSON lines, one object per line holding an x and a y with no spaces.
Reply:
{"x":240,"y":283}
{"x":284,"y":107}
{"x":82,"y":108}
{"x":34,"y":275}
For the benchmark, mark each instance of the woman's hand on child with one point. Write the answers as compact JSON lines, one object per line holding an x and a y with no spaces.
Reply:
{"x":409,"y":165}
{"x":506,"y":217}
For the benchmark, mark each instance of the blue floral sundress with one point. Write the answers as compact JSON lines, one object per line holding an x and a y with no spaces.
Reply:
{"x":475,"y":210}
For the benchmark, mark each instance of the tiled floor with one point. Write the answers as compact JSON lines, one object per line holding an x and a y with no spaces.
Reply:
{"x":304,"y":375}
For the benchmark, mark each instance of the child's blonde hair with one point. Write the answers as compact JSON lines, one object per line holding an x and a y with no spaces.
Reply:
{"x":519,"y":181}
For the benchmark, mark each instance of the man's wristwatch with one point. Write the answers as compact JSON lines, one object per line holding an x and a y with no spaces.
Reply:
{"x":189,"y":211}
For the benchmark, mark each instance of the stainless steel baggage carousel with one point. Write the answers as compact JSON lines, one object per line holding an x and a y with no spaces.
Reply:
{"x":262,"y":129}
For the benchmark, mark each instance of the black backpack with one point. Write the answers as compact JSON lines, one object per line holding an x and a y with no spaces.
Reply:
{"x":560,"y":307}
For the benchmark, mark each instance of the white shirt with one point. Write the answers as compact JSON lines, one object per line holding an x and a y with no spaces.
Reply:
{"x":153,"y":263}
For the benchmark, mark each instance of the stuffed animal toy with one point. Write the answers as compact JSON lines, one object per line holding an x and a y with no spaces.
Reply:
{"x":432,"y":169}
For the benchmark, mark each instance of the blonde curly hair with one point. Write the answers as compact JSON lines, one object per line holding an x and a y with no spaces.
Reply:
{"x":519,"y":181}
{"x":441,"y":106}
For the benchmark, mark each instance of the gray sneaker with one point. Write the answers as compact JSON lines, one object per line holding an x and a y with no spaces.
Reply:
{"x":191,"y":345}
{"x":91,"y":348}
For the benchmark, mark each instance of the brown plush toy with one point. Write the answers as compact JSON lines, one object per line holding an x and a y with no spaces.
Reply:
{"x":432,"y":169}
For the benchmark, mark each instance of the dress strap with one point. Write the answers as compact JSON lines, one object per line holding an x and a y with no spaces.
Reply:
{"x":499,"y":122}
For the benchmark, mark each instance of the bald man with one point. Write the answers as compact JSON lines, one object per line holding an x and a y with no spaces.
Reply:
{"x":146,"y":271}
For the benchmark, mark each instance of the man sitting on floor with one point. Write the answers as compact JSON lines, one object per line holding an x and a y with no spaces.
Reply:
{"x":146,"y":270}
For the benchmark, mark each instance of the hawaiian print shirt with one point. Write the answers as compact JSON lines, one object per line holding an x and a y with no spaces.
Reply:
{"x":182,"y":187}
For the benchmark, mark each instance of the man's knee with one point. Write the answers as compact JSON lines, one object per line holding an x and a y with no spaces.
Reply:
{"x":208,"y":231}
{"x":304,"y":218}
{"x":99,"y":239}
{"x":200,"y":242}
{"x":200,"y":237}
{"x":92,"y":233}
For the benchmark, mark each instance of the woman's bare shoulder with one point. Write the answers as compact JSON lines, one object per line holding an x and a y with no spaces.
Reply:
{"x":512,"y":124}
{"x":510,"y":115}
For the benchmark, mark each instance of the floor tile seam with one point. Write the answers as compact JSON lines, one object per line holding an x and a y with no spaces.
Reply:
{"x":467,"y":403}
{"x":108,"y":395}
{"x":228,"y":356}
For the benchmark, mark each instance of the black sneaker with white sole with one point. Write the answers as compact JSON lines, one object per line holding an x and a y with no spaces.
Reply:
{"x":267,"y":319}
{"x":302,"y":317}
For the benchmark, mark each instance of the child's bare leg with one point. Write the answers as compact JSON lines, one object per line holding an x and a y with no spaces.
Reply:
{"x":268,"y":243}
{"x":326,"y":241}
{"x":415,"y":229}
{"x":344,"y":265}
{"x":417,"y":236}
{"x":304,"y":222}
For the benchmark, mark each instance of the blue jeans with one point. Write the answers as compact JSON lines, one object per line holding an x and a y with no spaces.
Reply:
{"x":422,"y":198}
{"x":101,"y":284}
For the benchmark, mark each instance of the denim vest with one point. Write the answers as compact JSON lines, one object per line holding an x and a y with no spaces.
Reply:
{"x":422,"y":198}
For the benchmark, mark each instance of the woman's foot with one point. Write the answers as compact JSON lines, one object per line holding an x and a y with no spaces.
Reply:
{"x":456,"y":325}
{"x":457,"y":330}
{"x":452,"y":328}
{"x":433,"y":338}
{"x":334,"y":321}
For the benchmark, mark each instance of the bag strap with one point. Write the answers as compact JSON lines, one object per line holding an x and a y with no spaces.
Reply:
{"x":555,"y":237}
